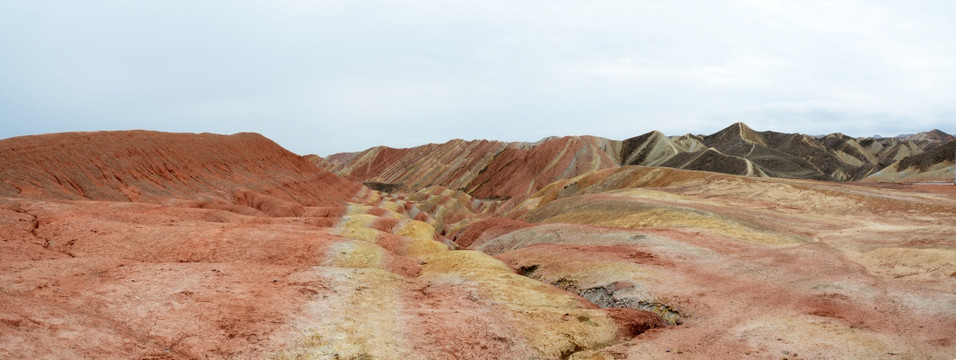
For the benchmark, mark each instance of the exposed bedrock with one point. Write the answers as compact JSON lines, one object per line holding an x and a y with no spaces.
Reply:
{"x":181,"y":246}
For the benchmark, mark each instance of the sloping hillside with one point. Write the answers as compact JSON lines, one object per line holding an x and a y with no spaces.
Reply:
{"x":743,"y":267}
{"x":153,"y":166}
{"x":497,"y":170}
{"x":485,"y":169}
{"x":934,"y":135}
{"x":182,"y":246}
{"x":936,"y":165}
{"x":454,"y":164}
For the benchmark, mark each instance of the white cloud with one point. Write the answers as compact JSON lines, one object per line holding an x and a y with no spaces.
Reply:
{"x":335,"y":76}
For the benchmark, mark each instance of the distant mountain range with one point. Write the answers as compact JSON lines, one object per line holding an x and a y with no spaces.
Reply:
{"x":497,"y":170}
{"x":933,"y":135}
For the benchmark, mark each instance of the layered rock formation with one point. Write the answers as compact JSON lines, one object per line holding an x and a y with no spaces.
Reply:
{"x":496,"y":170}
{"x":180,"y":246}
{"x":175,"y":246}
{"x":933,"y":165}
{"x":741,"y":266}
{"x":485,"y":169}
{"x":243,"y":170}
{"x":934,"y":135}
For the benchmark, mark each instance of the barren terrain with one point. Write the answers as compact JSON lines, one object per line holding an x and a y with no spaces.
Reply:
{"x":153,"y":245}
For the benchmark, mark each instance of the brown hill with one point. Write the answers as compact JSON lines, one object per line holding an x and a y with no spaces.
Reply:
{"x":180,"y":246}
{"x":940,"y":155}
{"x":318,"y":161}
{"x":934,"y":135}
{"x":497,"y":170}
{"x":743,"y":266}
{"x":485,"y":169}
{"x":650,"y":149}
{"x":454,"y":164}
{"x":516,"y":172}
{"x":713,"y":160}
{"x":936,"y":165}
{"x":150,"y":166}
{"x":233,"y":247}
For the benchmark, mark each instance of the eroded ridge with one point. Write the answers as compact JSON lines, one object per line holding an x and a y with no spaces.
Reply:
{"x":176,"y":246}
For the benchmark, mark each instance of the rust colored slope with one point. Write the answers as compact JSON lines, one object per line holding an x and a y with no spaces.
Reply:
{"x":182,"y":278}
{"x":319,"y":161}
{"x":149,"y":166}
{"x":369,"y":163}
{"x":518,"y":172}
{"x":453,"y":164}
{"x":481,"y":231}
{"x":485,"y":169}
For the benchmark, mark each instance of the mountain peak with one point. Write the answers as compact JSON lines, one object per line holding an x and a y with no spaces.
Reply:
{"x":739,"y":131}
{"x":934,"y":135}
{"x":742,"y":126}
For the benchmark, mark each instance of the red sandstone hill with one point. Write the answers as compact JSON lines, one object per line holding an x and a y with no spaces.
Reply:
{"x":453,"y":164}
{"x":484,"y":169}
{"x":629,"y":262}
{"x":140,"y":245}
{"x":147,"y":166}
{"x":515,"y":172}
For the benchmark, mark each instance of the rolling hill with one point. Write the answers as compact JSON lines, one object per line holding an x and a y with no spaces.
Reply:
{"x":497,"y":170}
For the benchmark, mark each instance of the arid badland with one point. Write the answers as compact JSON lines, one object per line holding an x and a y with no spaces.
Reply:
{"x":740,"y":244}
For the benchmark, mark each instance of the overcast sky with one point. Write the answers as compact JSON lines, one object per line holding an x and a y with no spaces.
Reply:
{"x":333,"y":76}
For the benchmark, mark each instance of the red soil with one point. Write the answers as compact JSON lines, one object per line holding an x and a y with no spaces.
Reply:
{"x":517,"y":172}
{"x":165,"y":246}
{"x":935,"y":188}
{"x":486,"y":230}
{"x":154,"y":166}
{"x":189,"y":273}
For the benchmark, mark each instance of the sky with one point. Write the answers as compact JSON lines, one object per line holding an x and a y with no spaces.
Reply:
{"x":321,"y":77}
